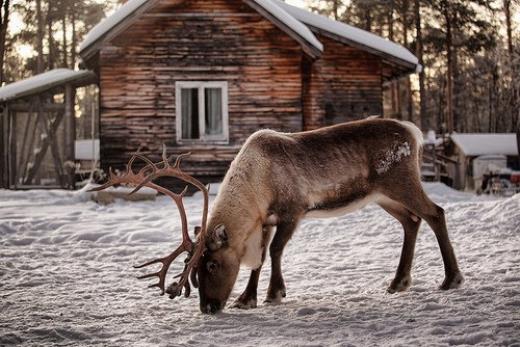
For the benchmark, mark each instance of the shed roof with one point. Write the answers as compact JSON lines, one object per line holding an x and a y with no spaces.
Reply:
{"x":43,"y":82}
{"x":295,"y":19}
{"x":486,"y":144}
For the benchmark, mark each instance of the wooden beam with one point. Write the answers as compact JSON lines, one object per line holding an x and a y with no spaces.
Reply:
{"x":28,"y":107}
{"x":70,"y":133}
{"x":12,"y":150}
{"x":4,"y":177}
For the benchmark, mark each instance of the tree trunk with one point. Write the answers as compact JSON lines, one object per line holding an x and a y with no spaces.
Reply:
{"x":426,"y":123}
{"x":52,"y":48}
{"x":509,"y":29}
{"x":4,"y":22}
{"x":39,"y":38}
{"x":408,"y":84}
{"x":64,"y":30}
{"x":449,"y":74}
{"x":335,"y":6}
{"x":73,"y":56}
{"x":394,"y":87}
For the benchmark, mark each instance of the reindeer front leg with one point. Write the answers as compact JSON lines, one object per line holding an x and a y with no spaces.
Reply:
{"x":284,"y":232}
{"x":247,"y":299}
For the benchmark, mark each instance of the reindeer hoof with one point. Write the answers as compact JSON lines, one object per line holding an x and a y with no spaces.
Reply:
{"x":452,"y":282}
{"x":244,"y":304}
{"x":399,"y":285}
{"x":276,"y":297}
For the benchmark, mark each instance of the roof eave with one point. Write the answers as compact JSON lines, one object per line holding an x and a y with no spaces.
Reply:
{"x":307,"y":47}
{"x":87,"y":77}
{"x":90,"y":51}
{"x":409,"y":66}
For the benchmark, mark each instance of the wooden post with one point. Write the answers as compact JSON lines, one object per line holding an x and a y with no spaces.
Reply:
{"x":70,"y":133}
{"x":12,"y":149}
{"x":3,"y":151}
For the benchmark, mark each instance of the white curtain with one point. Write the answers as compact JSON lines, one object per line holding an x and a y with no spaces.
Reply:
{"x":213,"y":98}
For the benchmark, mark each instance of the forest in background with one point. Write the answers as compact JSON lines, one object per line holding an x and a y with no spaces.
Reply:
{"x":468,"y":48}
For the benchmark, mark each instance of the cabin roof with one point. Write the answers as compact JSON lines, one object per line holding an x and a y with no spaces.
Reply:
{"x":357,"y":36}
{"x":486,"y":144}
{"x":300,"y":22}
{"x":43,"y":82}
{"x":271,"y":9}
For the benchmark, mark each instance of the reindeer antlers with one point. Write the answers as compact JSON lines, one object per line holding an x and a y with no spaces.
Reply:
{"x":145,"y":178}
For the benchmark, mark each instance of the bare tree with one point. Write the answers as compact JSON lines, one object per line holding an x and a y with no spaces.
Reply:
{"x":4,"y":22}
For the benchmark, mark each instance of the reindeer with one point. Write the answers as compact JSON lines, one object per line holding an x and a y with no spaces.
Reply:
{"x":276,"y":180}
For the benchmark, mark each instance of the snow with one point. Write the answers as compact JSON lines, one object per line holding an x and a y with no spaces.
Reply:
{"x":110,"y":22}
{"x":279,"y":13}
{"x":132,"y":5}
{"x":40,"y":82}
{"x":485,"y":144}
{"x":66,"y":278}
{"x":351,"y":33}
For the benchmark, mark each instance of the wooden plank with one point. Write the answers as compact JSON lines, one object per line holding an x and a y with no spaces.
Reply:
{"x":70,"y":134}
{"x":4,"y":150}
{"x":12,"y":150}
{"x":28,"y":107}
{"x":343,"y":85}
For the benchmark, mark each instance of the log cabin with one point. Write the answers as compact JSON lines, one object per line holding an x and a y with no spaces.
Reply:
{"x":200,"y":76}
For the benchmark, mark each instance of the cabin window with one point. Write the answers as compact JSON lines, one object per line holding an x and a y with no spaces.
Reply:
{"x":202,"y":112}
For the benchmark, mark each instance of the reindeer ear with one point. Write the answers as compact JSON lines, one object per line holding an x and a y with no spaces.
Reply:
{"x":220,"y":233}
{"x":218,"y":238}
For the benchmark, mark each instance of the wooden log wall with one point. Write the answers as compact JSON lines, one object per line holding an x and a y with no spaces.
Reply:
{"x":196,"y":40}
{"x":344,"y":84}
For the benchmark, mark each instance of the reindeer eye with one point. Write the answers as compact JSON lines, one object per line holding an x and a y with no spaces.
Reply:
{"x":211,"y":266}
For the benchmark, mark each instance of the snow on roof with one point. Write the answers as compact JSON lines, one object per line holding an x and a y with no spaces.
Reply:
{"x":108,"y":23}
{"x":279,"y":13}
{"x":133,"y":5}
{"x":294,"y":18}
{"x":351,"y":33}
{"x":485,"y":144}
{"x":40,"y":83}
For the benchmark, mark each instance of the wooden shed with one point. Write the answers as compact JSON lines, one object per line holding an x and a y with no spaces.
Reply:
{"x":201,"y":76}
{"x":38,"y":130}
{"x":468,"y":149}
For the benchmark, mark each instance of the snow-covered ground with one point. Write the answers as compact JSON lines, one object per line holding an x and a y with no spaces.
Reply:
{"x":66,"y":278}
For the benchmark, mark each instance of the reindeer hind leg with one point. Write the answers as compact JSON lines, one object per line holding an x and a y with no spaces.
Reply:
{"x":410,"y":223}
{"x":412,"y":196}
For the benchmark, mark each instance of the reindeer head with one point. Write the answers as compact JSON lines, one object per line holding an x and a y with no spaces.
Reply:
{"x":217,"y":270}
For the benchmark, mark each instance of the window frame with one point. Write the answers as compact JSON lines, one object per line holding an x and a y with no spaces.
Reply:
{"x":201,"y":86}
